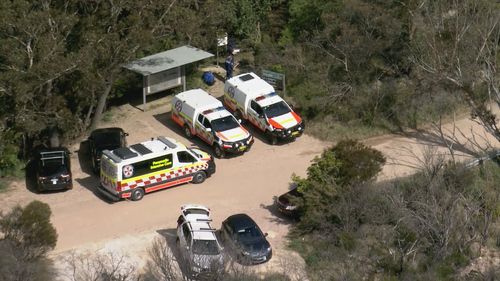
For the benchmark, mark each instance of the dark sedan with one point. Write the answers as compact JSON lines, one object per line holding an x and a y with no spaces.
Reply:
{"x":242,"y":235}
{"x":102,"y":139}
{"x":286,"y":202}
{"x":53,"y":169}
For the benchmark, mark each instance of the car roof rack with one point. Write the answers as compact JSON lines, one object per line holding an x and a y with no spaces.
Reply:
{"x":50,"y":155}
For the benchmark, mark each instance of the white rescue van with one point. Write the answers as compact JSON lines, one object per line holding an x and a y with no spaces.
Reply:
{"x":130,"y":172}
{"x":202,"y":115}
{"x":253,"y":99}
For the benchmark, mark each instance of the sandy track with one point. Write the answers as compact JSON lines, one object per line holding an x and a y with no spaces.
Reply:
{"x":241,"y":184}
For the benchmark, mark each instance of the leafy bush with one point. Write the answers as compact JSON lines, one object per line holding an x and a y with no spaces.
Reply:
{"x":332,"y":178}
{"x":27,"y":237}
{"x":428,"y":226}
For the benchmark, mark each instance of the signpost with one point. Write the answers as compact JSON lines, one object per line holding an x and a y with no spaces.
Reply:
{"x":277,"y":80}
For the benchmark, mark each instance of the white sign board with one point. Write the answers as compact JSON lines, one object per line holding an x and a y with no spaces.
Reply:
{"x":222,"y":41}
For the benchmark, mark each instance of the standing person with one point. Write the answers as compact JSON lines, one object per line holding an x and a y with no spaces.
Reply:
{"x":229,"y":64}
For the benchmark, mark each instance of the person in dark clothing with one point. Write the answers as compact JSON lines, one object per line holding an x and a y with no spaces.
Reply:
{"x":229,"y":64}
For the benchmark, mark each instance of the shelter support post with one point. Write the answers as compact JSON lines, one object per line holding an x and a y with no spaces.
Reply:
{"x":183,"y":77}
{"x":145,"y":83}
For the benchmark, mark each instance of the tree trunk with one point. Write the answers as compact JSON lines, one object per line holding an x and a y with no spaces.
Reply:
{"x":101,"y":103}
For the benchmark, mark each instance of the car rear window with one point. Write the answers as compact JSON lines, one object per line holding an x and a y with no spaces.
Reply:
{"x":51,"y":166}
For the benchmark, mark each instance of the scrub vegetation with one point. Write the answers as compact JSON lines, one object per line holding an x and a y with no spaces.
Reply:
{"x":354,"y":68}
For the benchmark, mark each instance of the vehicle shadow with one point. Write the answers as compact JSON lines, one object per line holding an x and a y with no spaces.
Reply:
{"x":30,"y":176}
{"x":277,"y":216}
{"x":84,"y":158}
{"x":258,"y":134}
{"x":91,"y":183}
{"x":170,"y":235}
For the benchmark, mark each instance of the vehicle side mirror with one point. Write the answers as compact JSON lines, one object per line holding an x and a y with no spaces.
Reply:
{"x":209,"y":130}
{"x":239,"y":121}
{"x":266,"y":234}
{"x":126,"y":134}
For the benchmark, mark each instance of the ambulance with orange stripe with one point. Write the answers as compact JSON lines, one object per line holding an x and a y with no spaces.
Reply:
{"x":202,"y":115}
{"x":130,"y":172}
{"x":253,"y":99}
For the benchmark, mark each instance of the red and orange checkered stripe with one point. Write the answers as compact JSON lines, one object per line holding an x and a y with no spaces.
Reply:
{"x":145,"y":181}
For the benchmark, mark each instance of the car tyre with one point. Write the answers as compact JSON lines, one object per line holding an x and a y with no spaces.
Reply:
{"x":219,"y":153}
{"x":273,"y":139}
{"x":199,"y":177}
{"x":187,"y":132}
{"x":137,"y":194}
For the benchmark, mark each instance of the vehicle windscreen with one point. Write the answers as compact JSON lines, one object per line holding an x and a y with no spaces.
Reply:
{"x":276,"y":109}
{"x":194,"y":211}
{"x":51,"y":166}
{"x":205,"y":247}
{"x":249,"y":234}
{"x":108,"y":140}
{"x":195,"y":153}
{"x":224,"y":124}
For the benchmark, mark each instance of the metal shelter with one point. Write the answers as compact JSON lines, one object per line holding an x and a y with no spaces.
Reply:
{"x":165,"y":70}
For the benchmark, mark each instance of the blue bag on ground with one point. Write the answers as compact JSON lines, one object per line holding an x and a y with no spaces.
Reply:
{"x":208,"y":77}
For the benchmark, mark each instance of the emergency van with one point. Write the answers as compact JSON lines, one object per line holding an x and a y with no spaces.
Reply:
{"x":253,"y":99}
{"x":130,"y":172}
{"x":202,"y":115}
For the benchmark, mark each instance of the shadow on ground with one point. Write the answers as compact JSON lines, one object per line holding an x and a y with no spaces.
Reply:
{"x":434,"y":138}
{"x":170,"y":235}
{"x":84,"y":158}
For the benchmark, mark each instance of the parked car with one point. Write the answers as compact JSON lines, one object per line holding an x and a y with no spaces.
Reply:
{"x":53,"y":169}
{"x":243,"y":236}
{"x":199,"y":249}
{"x":102,"y":139}
{"x":285,"y":202}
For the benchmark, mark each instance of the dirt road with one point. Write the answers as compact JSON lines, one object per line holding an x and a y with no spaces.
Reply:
{"x":244,"y":184}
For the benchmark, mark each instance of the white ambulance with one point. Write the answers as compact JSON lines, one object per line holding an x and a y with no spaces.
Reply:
{"x":255,"y":100}
{"x":202,"y":115}
{"x":130,"y":172}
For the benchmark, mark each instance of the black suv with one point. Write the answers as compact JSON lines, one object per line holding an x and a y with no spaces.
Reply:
{"x":102,"y":139}
{"x":53,"y":169}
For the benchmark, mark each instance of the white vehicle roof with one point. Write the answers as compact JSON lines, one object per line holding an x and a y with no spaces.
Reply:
{"x":192,"y":212}
{"x":144,"y":150}
{"x":202,"y":231}
{"x":199,"y":99}
{"x":268,"y":99}
{"x":251,"y":84}
{"x":217,"y":113}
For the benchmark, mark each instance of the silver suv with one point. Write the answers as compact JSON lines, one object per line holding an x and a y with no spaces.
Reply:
{"x":199,"y":249}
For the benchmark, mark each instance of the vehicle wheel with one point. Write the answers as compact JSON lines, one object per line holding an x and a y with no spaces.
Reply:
{"x":137,"y":194}
{"x":94,"y":168}
{"x":199,"y":177}
{"x":273,"y":139}
{"x":187,"y":132}
{"x":219,"y":153}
